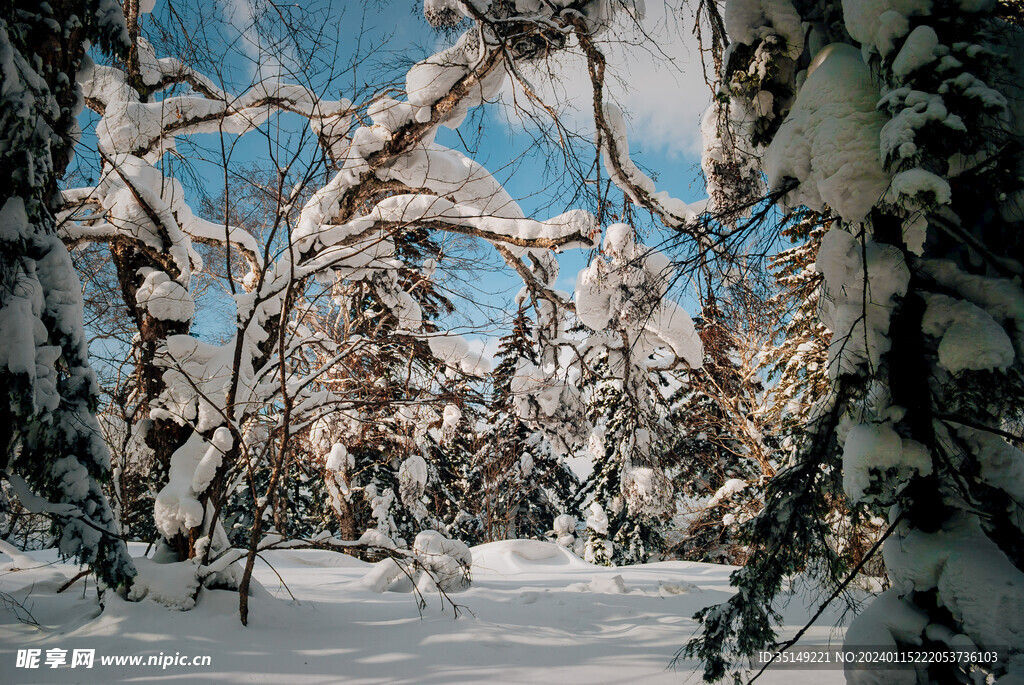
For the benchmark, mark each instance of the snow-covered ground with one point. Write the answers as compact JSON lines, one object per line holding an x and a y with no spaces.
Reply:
{"x":534,"y":614}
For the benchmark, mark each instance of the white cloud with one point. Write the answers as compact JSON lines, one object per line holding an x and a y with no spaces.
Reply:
{"x":268,"y":54}
{"x":654,"y":74}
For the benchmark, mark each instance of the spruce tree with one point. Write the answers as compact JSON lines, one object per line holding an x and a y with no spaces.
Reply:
{"x":522,"y":484}
{"x":450,"y":450}
{"x":798,"y":368}
{"x":52,"y":443}
{"x":798,"y":363}
{"x":623,"y":431}
{"x":401,"y":390}
{"x":908,"y":129}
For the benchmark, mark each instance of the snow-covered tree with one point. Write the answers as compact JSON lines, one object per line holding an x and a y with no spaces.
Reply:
{"x":54,"y":456}
{"x":400,"y":406}
{"x":636,"y":334}
{"x":798,"y":364}
{"x":451,"y":448}
{"x":598,"y":548}
{"x":520,"y":482}
{"x":798,"y":369}
{"x":904,"y":119}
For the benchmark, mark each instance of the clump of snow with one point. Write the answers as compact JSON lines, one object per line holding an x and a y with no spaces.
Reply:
{"x":454,"y":351}
{"x":680,"y":588}
{"x":220,"y":444}
{"x":22,"y":330}
{"x":922,"y":186}
{"x":542,"y":394}
{"x":974,"y":578}
{"x":453,"y":175}
{"x":887,"y":619}
{"x":1002,"y":464}
{"x":433,"y":78}
{"x":674,"y":210}
{"x":412,"y":483}
{"x":648,"y":490}
{"x":598,"y":549}
{"x":731,"y":168}
{"x":913,"y":111}
{"x":731,"y":487}
{"x":174,"y":585}
{"x":918,"y":50}
{"x":753,"y":20}
{"x":860,"y":327}
{"x":1000,"y":297}
{"x":876,"y":23}
{"x":626,"y":291}
{"x":915,"y":233}
{"x":597,"y":519}
{"x":452,"y":416}
{"x":829,"y":142}
{"x":337,"y":468}
{"x":595,"y":443}
{"x":970,"y":339}
{"x":14,"y":223}
{"x":873,"y":449}
{"x":446,"y":562}
{"x":339,"y":459}
{"x":380,"y":509}
{"x":436,"y":562}
{"x":386,"y":575}
{"x":332,"y":130}
{"x":177,"y":509}
{"x":565,"y":530}
{"x":443,"y":12}
{"x":603,"y":585}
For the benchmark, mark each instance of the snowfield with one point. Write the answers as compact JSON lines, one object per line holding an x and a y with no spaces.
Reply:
{"x":535,"y":614}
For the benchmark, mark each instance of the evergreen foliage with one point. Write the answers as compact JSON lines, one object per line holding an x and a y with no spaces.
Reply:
{"x":920,"y":276}
{"x":522,"y":485}
{"x":624,"y":430}
{"x":52,"y":444}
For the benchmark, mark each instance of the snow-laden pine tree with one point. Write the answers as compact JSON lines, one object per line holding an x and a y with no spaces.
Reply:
{"x":54,"y":455}
{"x":621,"y":433}
{"x":904,"y":119}
{"x":520,"y":482}
{"x":797,"y":365}
{"x":451,"y":448}
{"x":399,"y":395}
{"x":598,"y":548}
{"x":620,"y":297}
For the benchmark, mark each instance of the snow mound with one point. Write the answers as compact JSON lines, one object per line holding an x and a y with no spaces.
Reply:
{"x":316,"y":558}
{"x":523,"y":556}
{"x":666,"y":588}
{"x":173,"y":585}
{"x":603,"y":585}
{"x":829,"y":143}
{"x":436,"y":563}
{"x":19,"y":559}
